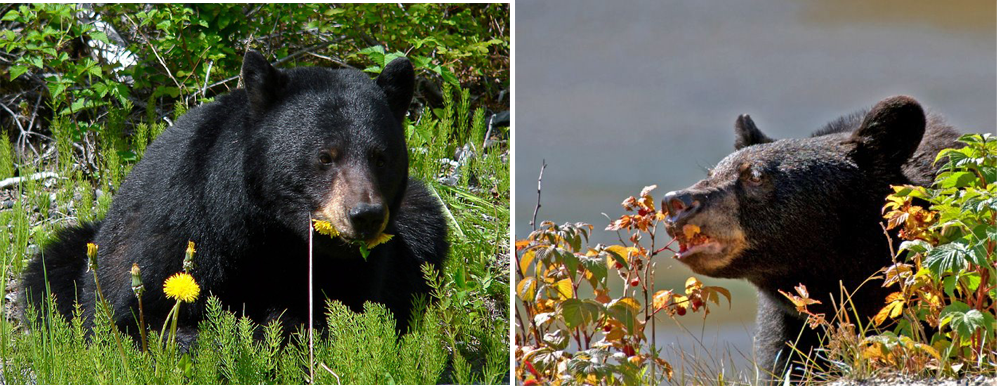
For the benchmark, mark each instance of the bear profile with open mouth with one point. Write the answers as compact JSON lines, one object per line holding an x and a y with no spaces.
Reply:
{"x":784,"y":212}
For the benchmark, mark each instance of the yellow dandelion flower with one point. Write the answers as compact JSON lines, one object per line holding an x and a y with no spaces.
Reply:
{"x":380,"y":239}
{"x":181,"y":287}
{"x":91,"y":257}
{"x":325,"y":228}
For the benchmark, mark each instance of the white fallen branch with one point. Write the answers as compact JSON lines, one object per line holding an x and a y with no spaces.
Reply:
{"x":17,"y":180}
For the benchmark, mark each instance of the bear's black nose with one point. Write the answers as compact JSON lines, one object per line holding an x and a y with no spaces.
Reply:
{"x":681,"y":205}
{"x":367,"y":219}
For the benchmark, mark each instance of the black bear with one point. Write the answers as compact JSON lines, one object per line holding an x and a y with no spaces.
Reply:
{"x":784,"y":212}
{"x":241,"y":177}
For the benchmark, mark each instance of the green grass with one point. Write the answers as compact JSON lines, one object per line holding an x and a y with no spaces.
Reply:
{"x":462,"y":337}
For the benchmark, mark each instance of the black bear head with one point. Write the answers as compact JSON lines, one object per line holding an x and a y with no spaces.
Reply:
{"x":327,"y":144}
{"x":782,"y":208}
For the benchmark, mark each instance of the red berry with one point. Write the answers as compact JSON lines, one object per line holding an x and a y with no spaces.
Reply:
{"x":696,"y":304}
{"x":608,"y":327}
{"x":619,"y":265}
{"x":680,"y":311}
{"x":635,"y":282}
{"x":629,"y":351}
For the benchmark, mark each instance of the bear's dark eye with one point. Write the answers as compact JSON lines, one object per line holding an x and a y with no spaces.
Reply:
{"x":754,"y":177}
{"x":377,"y":158}
{"x":325,"y":158}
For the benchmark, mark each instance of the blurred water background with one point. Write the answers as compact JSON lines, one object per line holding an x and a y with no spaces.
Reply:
{"x":620,"y":95}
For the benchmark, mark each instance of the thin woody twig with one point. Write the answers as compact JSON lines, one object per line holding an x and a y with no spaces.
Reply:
{"x":206,"y":77}
{"x":536,"y":210}
{"x":155,"y":52}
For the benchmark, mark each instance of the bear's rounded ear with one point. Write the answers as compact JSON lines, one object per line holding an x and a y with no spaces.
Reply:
{"x":891,"y":131}
{"x":398,"y":82}
{"x":747,"y":134}
{"x":261,"y":80}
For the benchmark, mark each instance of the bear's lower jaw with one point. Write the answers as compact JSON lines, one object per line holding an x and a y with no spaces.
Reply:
{"x":709,"y":258}
{"x":709,"y":247}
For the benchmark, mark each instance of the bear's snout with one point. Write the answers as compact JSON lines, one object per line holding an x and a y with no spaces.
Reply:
{"x":681,"y":205}
{"x":368,"y":220}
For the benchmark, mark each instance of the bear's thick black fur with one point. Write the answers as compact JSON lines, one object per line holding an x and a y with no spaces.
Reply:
{"x":240,"y":177}
{"x":784,"y":212}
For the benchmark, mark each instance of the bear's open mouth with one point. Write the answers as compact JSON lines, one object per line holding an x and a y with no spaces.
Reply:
{"x":692,"y":241}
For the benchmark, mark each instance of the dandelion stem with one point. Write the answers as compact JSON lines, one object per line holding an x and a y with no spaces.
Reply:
{"x":173,"y":324}
{"x":311,"y":306}
{"x":170,"y":315}
{"x":141,"y":324}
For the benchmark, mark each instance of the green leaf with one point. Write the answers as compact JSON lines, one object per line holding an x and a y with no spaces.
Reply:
{"x":569,"y":260}
{"x":625,"y":311}
{"x":957,"y":180}
{"x":948,"y":285}
{"x":916,"y":246}
{"x":449,"y":77}
{"x":375,"y":53}
{"x":949,"y":257}
{"x":392,"y":56}
{"x":556,"y":339}
{"x":16,"y":71}
{"x":965,"y":323}
{"x":56,"y":88}
{"x":971,"y":280}
{"x":978,"y":254}
{"x":596,"y":265}
{"x":11,"y":16}
{"x":989,"y":174}
{"x":99,"y":36}
{"x":579,"y":313}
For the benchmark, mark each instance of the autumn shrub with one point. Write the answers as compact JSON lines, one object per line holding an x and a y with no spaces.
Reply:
{"x":939,"y":321}
{"x":571,"y":329}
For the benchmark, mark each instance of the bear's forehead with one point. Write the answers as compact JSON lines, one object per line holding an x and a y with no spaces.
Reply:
{"x":787,"y":155}
{"x":336,"y":85}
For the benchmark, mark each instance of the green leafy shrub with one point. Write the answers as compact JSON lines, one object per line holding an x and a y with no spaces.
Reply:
{"x":940,"y":320}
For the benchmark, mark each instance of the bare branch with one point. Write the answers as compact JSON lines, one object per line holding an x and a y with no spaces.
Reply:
{"x":533,"y":222}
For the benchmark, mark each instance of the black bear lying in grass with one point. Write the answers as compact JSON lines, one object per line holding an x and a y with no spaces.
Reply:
{"x":240,"y":177}
{"x":783,"y":212}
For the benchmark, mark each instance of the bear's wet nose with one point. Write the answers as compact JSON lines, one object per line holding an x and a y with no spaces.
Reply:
{"x":680,"y":205}
{"x":367,"y":219}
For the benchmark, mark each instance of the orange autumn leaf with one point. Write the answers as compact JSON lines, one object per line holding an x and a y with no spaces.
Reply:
{"x":690,"y":230}
{"x":692,"y":284}
{"x":894,"y":307}
{"x":661,"y":299}
{"x":803,"y":300}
